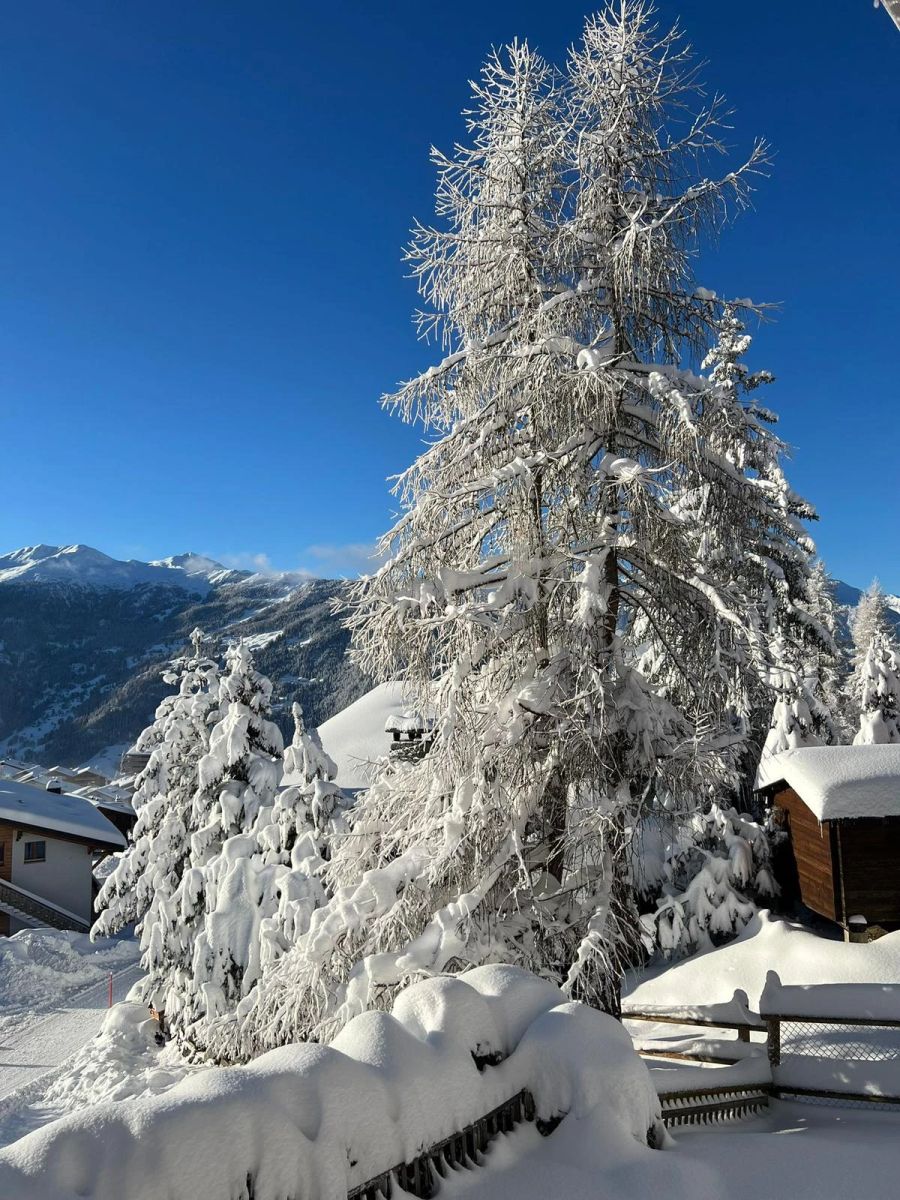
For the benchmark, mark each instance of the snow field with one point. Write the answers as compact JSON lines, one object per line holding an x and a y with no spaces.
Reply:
{"x":799,"y":956}
{"x":313,"y":1120}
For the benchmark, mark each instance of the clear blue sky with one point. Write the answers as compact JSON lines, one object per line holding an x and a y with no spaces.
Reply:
{"x":201,"y":293}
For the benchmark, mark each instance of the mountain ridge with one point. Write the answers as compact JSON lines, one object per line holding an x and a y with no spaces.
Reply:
{"x":84,"y":639}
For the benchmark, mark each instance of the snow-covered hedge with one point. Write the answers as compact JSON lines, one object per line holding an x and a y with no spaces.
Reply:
{"x":314,"y":1121}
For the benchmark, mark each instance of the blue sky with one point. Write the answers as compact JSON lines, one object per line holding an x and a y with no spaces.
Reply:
{"x":201,"y":292}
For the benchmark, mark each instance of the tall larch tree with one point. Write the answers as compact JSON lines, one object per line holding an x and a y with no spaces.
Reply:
{"x":540,"y":530}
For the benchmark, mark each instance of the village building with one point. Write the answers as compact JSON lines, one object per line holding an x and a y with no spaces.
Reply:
{"x":839,"y":807}
{"x":49,"y":842}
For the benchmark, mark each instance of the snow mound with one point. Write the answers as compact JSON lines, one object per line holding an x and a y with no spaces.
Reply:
{"x":312,"y":1120}
{"x":121,"y":1062}
{"x":799,"y":957}
{"x":515,"y":997}
{"x":42,"y":966}
{"x":446,"y":1008}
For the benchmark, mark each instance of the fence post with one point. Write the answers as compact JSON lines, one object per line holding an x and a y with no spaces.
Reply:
{"x":110,"y":989}
{"x":773,"y":1040}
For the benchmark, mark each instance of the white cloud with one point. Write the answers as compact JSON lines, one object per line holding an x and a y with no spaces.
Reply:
{"x":349,"y":558}
{"x":247,"y":561}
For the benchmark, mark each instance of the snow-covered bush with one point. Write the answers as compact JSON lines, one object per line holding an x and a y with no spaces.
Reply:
{"x":705,"y":875}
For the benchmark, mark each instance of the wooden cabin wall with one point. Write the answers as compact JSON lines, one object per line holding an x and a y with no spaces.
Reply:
{"x":869,"y":861}
{"x":812,"y":851}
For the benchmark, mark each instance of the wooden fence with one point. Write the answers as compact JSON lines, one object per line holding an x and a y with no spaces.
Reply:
{"x":421,"y":1176}
{"x":744,"y":1029}
{"x":832,"y":1058}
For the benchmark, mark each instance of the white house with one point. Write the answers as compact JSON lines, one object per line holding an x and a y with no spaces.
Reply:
{"x":48,"y":844}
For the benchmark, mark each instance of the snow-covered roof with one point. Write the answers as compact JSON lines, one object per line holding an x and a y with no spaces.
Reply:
{"x":839,"y":782}
{"x":24,"y":804}
{"x":355,"y":737}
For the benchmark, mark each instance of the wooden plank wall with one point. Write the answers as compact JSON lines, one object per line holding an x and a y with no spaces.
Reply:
{"x":811,"y":842}
{"x":870,"y":857}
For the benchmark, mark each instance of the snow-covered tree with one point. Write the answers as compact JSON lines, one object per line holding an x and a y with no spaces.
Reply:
{"x":295,"y":836}
{"x":793,"y":721}
{"x":549,"y":540}
{"x":143,"y":886}
{"x":879,"y":719}
{"x":227,"y":890}
{"x":823,"y":664}
{"x":715,"y":870}
{"x":869,"y":623}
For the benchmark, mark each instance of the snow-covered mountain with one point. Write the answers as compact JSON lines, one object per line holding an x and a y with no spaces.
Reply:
{"x":85,"y":567}
{"x":83,"y":638}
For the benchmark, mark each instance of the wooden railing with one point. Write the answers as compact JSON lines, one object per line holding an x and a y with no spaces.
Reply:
{"x":421,"y":1176}
{"x":754,"y":1024}
{"x":16,"y":900}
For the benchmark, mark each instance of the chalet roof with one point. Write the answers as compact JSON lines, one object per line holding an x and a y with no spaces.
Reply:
{"x":839,"y":782}
{"x":24,"y":804}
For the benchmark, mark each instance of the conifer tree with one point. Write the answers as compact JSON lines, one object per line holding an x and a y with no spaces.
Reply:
{"x":716,"y":871}
{"x":143,"y":886}
{"x":295,"y":836}
{"x":545,"y":534}
{"x":225,"y":893}
{"x":879,"y":719}
{"x":869,"y":623}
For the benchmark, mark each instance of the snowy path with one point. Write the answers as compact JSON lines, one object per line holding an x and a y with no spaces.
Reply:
{"x":47,"y":1037}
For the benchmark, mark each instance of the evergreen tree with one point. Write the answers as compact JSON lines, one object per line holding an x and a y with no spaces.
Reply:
{"x":143,"y":886}
{"x":793,"y":723}
{"x":879,"y":720}
{"x":296,"y":837}
{"x":544,"y":534}
{"x":227,"y":890}
{"x":716,"y":869}
{"x":869,"y":624}
{"x":823,"y":664}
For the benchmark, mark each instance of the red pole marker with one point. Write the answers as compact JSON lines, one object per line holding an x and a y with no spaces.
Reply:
{"x":110,"y":989}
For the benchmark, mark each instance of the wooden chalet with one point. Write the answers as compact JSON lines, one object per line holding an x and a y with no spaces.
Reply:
{"x":840,"y":809}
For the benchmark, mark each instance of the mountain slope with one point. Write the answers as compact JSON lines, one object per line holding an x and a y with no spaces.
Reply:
{"x":83,"y":639}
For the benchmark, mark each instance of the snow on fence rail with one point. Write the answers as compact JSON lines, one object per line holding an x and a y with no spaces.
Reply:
{"x":816,"y":1049}
{"x":418,"y":1178}
{"x":733,"y":1014}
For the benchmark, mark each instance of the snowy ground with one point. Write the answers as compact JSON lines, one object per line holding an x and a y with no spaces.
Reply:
{"x":54,"y":993}
{"x":796,"y":1152}
{"x":799,"y":1151}
{"x":767,"y":944}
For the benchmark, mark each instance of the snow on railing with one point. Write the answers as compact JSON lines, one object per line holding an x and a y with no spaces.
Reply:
{"x":834,"y":1041}
{"x":41,"y":908}
{"x":396,"y":1095}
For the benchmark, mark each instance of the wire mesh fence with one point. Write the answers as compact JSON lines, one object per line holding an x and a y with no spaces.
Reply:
{"x":839,"y":1040}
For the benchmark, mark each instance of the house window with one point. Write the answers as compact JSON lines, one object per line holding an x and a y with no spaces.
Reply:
{"x":35,"y":852}
{"x":2,"y":853}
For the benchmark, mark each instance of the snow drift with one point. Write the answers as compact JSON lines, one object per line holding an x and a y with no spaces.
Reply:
{"x":314,"y":1121}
